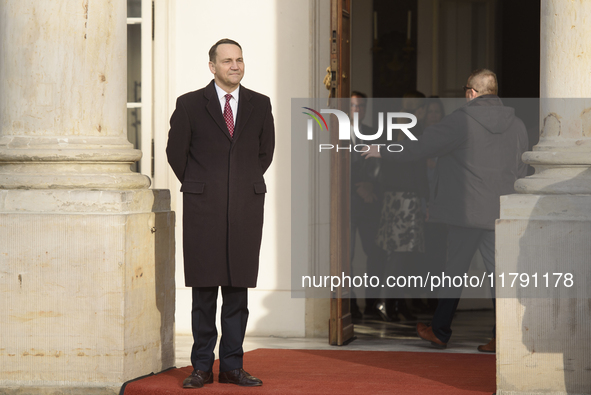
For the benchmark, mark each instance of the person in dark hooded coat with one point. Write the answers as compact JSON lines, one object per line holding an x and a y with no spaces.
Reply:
{"x":220,"y":144}
{"x":479,"y":148}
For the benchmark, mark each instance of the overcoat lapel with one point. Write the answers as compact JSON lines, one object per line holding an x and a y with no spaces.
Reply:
{"x":214,"y":108}
{"x":244,"y":111}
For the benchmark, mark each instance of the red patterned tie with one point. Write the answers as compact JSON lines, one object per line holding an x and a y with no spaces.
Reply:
{"x":228,"y":116}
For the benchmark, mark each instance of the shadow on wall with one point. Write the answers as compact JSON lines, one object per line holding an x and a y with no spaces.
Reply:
{"x":553,"y":317}
{"x":164,"y":261}
{"x":558,"y":324}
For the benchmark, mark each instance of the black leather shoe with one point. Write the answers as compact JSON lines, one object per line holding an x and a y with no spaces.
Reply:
{"x":197,"y":379}
{"x":384,"y":313}
{"x":239,"y":377}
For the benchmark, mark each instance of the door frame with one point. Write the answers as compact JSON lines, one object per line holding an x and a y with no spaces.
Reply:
{"x":341,"y":329}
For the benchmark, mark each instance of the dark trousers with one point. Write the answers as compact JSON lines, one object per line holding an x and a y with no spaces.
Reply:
{"x":365,"y":219}
{"x":435,"y":255}
{"x":462,"y":244}
{"x":233,"y":320}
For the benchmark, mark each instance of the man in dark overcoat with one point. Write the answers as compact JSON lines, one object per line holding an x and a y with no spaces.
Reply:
{"x":220,"y":144}
{"x":479,"y":148}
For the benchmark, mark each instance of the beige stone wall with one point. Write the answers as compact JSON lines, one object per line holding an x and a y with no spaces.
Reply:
{"x":89,"y":296}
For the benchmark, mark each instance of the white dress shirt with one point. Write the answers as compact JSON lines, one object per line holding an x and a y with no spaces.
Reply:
{"x":233,"y":101}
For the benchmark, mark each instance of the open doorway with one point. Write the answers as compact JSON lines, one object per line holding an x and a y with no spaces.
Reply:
{"x":431,"y":46}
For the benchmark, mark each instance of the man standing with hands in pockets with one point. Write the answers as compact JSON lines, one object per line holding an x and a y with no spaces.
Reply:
{"x":220,"y":144}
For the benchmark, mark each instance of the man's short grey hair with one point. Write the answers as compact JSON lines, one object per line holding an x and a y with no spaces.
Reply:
{"x":214,"y":48}
{"x":484,"y":82}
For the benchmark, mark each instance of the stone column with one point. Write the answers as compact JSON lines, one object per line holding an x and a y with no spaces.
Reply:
{"x":544,"y":344}
{"x":86,"y":249}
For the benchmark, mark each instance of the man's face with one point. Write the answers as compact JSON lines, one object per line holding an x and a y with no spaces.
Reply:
{"x":228,"y":68}
{"x":414,"y":106}
{"x":470,"y":93}
{"x":358,"y":105}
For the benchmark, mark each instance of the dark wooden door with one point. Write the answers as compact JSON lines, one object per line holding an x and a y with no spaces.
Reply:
{"x":340,"y":324}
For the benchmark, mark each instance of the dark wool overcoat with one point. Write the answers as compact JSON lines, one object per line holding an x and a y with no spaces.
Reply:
{"x":222,"y":184}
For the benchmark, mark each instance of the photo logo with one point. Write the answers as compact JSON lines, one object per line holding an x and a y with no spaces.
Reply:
{"x":345,"y":128}
{"x":310,"y":136}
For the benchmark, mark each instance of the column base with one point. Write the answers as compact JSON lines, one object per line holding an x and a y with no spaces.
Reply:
{"x":88,"y":280}
{"x":543,"y":332}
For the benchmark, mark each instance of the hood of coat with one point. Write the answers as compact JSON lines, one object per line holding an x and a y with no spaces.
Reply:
{"x":489,"y":111}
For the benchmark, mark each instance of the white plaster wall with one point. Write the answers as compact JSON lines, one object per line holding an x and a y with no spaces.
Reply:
{"x":274,"y":36}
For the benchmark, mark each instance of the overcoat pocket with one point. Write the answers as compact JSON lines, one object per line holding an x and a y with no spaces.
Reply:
{"x":260,"y":187}
{"x":192,"y":187}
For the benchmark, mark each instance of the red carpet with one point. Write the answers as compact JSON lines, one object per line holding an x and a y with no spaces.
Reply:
{"x":342,"y":372}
